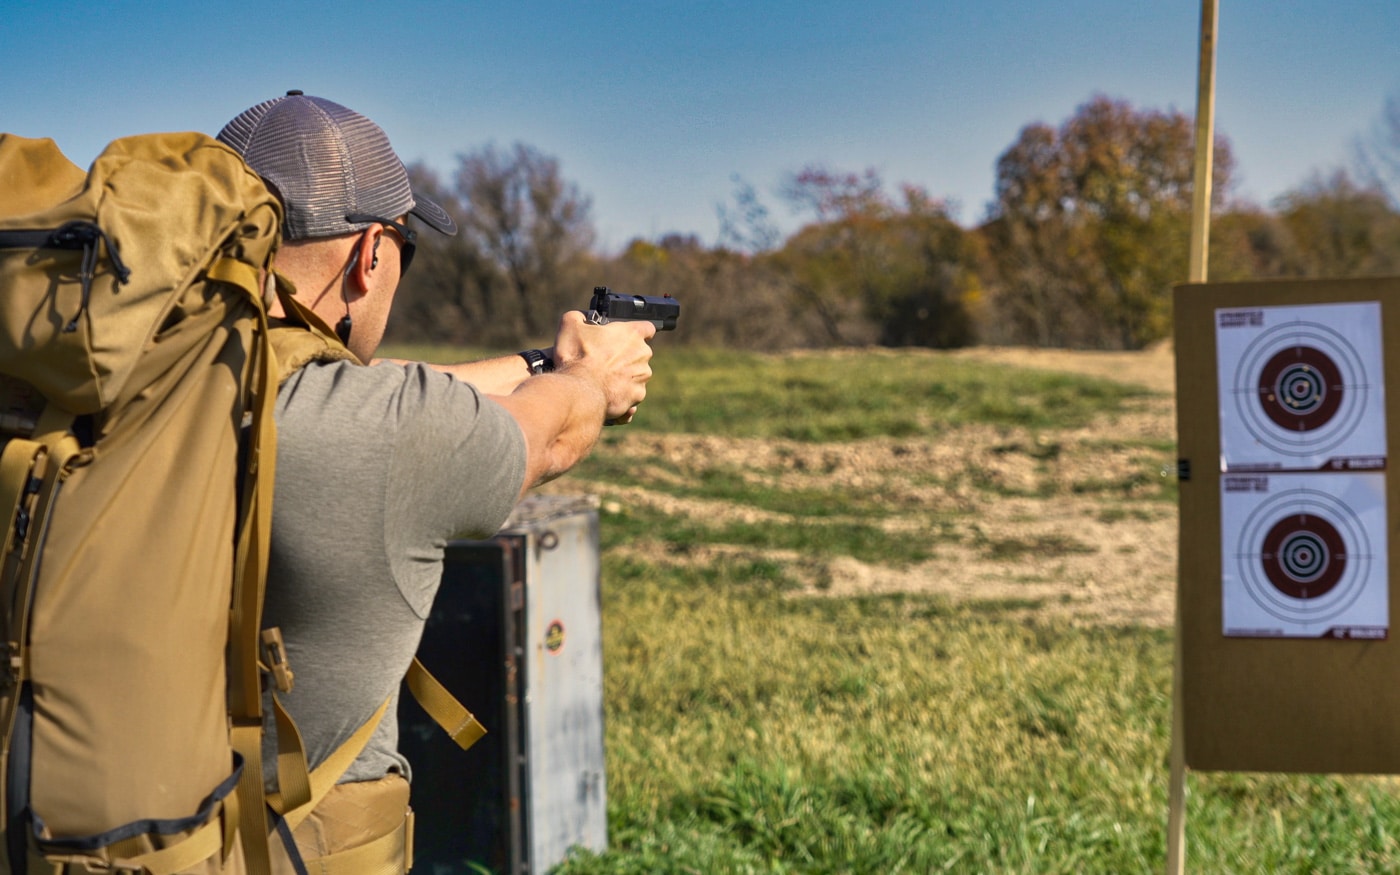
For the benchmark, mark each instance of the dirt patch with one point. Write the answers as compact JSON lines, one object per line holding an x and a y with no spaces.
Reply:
{"x":1062,"y":561}
{"x":1076,"y":524}
{"x":1154,"y":368}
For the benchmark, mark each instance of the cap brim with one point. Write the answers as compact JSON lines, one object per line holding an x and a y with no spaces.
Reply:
{"x":433,"y":215}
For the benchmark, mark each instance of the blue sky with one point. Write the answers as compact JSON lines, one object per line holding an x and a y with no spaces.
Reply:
{"x":652,"y":108}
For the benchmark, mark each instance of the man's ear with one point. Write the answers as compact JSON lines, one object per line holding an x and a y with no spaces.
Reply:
{"x":365,"y":260}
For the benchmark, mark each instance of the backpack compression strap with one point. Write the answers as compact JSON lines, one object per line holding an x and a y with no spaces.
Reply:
{"x":255,"y":534}
{"x":393,"y":851}
{"x":443,"y":707}
{"x":440,"y":704}
{"x":389,"y":854}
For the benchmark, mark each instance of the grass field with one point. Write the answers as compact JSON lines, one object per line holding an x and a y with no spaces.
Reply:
{"x":912,"y":612}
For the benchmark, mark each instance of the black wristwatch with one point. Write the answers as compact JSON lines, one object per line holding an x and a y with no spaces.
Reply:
{"x":538,"y":361}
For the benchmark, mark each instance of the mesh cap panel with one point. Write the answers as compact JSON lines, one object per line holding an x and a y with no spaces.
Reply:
{"x":327,"y":162}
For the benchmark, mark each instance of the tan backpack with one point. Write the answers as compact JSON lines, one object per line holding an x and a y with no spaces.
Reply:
{"x":136,"y":472}
{"x":137,"y":378}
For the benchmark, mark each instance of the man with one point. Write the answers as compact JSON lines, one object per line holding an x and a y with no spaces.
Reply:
{"x":379,"y":466}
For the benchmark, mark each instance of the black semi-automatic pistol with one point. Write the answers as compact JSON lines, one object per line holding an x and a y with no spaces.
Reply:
{"x":608,"y":306}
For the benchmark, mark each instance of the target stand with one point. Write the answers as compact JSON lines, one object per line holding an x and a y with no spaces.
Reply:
{"x":1287,"y":649}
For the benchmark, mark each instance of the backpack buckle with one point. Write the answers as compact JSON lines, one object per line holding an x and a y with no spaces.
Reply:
{"x":274,"y":660}
{"x":13,"y":673}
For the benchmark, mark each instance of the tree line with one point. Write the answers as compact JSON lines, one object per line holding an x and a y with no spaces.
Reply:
{"x":1086,"y":235}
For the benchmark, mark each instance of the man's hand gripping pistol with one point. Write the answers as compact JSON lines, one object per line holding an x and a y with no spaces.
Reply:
{"x":608,"y":306}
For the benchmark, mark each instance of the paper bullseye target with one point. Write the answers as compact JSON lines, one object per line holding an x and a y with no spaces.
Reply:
{"x":1301,"y":387}
{"x":1304,"y":554}
{"x":1284,"y":651}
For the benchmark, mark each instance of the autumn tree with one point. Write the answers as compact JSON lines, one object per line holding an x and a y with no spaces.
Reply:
{"x":452,"y":294}
{"x":728,"y":299}
{"x":532,"y":224}
{"x":1250,"y":242}
{"x":829,"y":264}
{"x":876,"y":269}
{"x":1331,"y":226}
{"x":1340,"y":228}
{"x":933,"y":292}
{"x":520,"y":258}
{"x":1089,"y":227}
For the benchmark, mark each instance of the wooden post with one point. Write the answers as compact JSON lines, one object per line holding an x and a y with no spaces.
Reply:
{"x":1205,"y":144}
{"x":1200,"y":252}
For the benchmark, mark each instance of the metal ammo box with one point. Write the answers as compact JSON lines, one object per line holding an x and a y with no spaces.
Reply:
{"x":516,"y":635}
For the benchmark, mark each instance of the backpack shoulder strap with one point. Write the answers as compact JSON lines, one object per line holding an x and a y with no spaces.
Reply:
{"x":301,"y":337}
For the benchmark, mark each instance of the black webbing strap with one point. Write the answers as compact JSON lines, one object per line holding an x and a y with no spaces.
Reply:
{"x":26,"y":239}
{"x":71,"y":235}
{"x":293,"y":852}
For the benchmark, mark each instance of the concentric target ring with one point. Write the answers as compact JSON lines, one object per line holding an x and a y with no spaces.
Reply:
{"x":1303,"y":556}
{"x":1300,"y":388}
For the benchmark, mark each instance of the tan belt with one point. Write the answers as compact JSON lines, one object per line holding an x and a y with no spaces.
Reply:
{"x":359,"y":827}
{"x":390,"y":854}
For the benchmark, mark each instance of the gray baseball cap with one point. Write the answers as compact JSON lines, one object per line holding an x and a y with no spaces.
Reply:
{"x":327,"y":163}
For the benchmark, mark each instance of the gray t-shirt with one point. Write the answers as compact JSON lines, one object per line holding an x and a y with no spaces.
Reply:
{"x":378,"y":468}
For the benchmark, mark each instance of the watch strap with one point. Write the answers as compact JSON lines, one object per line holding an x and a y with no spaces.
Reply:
{"x":537,"y":361}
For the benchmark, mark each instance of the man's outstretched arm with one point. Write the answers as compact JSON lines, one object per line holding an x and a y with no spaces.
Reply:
{"x":601,"y":372}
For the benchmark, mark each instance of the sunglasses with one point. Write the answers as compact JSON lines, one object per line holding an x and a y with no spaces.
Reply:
{"x":410,"y":237}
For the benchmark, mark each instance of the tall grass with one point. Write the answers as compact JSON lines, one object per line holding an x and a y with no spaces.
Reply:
{"x":753,"y":727}
{"x":751,"y":732}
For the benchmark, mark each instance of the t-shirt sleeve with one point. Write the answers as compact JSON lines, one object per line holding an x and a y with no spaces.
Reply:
{"x":457,"y":469}
{"x":458,"y":457}
{"x":398,"y":460}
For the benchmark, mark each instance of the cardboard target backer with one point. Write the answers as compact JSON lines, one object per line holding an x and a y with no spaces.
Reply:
{"x":1283,"y":608}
